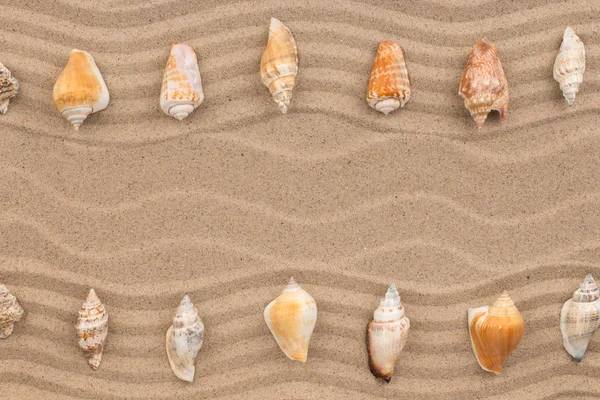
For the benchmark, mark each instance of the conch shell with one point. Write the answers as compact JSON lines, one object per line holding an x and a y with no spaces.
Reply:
{"x":389,"y":87}
{"x":9,"y":87}
{"x":387,"y":334}
{"x":181,"y":91}
{"x":495,"y":332}
{"x":570,"y":65}
{"x":580,"y":317}
{"x":80,"y":89}
{"x":279,"y":64}
{"x":483,"y":84}
{"x":291,"y":317}
{"x":184,"y":339}
{"x":92,"y":328}
{"x":10,"y":311}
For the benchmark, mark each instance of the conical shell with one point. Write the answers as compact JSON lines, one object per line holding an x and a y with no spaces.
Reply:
{"x":181,"y":91}
{"x":9,"y":87}
{"x":580,"y":317}
{"x":389,"y":87}
{"x":184,"y":340}
{"x":387,"y":334}
{"x":80,"y":89}
{"x":291,"y":317}
{"x":570,"y":65}
{"x":92,"y":328}
{"x":279,"y":64}
{"x":10,"y":311}
{"x":483,"y":85}
{"x":495,"y":332}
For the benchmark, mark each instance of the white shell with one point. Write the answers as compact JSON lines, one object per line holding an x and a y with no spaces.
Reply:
{"x":184,"y":340}
{"x":387,"y":334}
{"x":9,"y":88}
{"x":92,"y":329}
{"x":181,"y":91}
{"x":570,"y":65}
{"x":580,"y":317}
{"x":291,"y":318}
{"x":10,"y":311}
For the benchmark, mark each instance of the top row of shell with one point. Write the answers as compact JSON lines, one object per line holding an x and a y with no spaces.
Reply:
{"x":80,"y":89}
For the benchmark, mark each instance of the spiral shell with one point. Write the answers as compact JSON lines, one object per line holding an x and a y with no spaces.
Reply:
{"x":291,"y":317}
{"x":184,"y":339}
{"x":483,"y":85}
{"x":570,"y":65}
{"x":495,"y":332}
{"x":389,"y":87}
{"x":80,"y":89}
{"x":279,"y":64}
{"x":387,"y":334}
{"x":181,"y":91}
{"x":580,"y":317}
{"x":92,"y":328}
{"x":9,"y":87}
{"x":10,"y":311}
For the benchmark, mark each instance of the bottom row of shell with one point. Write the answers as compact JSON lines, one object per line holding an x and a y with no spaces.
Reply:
{"x":495,"y":331}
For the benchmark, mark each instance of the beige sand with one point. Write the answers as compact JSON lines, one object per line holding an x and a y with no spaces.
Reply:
{"x":229,"y":203}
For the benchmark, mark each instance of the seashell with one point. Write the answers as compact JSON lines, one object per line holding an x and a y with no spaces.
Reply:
{"x":10,"y":311}
{"x":389,"y":87}
{"x":181,"y":91}
{"x":291,"y":317}
{"x":279,"y":64}
{"x":495,"y":332}
{"x":580,"y":317}
{"x":9,"y":87}
{"x":483,"y":85}
{"x":92,"y":328}
{"x":570,"y":65}
{"x":387,"y":334}
{"x":80,"y":89}
{"x":184,"y":339}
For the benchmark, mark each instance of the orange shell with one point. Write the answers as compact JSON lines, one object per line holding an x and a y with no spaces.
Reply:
{"x":389,"y":86}
{"x":495,"y":332}
{"x":483,"y":84}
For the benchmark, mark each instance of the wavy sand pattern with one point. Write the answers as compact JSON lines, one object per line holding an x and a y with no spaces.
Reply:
{"x":229,"y":203}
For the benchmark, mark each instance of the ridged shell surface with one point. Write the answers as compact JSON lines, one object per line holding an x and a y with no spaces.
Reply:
{"x":184,"y":340}
{"x":291,"y":317}
{"x":495,"y":332}
{"x":9,"y":87}
{"x":80,"y":89}
{"x":580,"y":317}
{"x":279,"y":64}
{"x":10,"y":311}
{"x":92,"y":329}
{"x":386,"y":335}
{"x":389,"y":87}
{"x":570,"y":65}
{"x":483,"y":85}
{"x":181,"y":91}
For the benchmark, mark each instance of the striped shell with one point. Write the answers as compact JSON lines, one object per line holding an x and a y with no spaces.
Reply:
{"x":9,"y":87}
{"x":580,"y":318}
{"x":10,"y":311}
{"x":495,"y":332}
{"x":389,"y":87}
{"x":387,"y":334}
{"x":181,"y":91}
{"x":483,"y":85}
{"x":291,"y":317}
{"x":92,"y":329}
{"x":279,"y":64}
{"x":570,"y":65}
{"x":80,"y":89}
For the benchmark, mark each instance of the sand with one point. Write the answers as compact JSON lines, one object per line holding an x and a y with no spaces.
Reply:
{"x":231,"y":202}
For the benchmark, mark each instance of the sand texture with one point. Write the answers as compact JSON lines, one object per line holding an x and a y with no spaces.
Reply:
{"x":229,"y":203}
